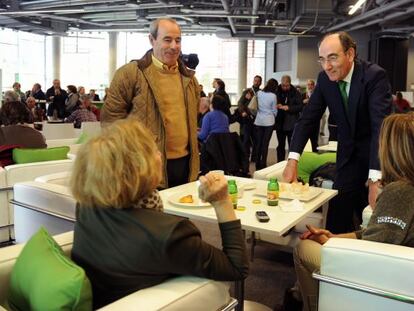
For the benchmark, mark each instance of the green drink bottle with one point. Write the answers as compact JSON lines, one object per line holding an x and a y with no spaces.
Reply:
{"x":273,"y":192}
{"x":233,"y":192}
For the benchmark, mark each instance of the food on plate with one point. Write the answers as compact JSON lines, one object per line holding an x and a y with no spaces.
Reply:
{"x":299,"y":188}
{"x":186,"y":199}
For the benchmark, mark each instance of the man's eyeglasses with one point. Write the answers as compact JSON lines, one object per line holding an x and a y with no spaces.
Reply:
{"x":331,"y":59}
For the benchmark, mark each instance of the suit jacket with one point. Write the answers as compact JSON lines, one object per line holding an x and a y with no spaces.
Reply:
{"x":286,"y":120}
{"x":369,"y":102}
{"x":125,"y":250}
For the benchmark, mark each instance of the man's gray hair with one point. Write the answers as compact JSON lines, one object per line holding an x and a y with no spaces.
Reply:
{"x":155,"y":24}
{"x":11,"y":96}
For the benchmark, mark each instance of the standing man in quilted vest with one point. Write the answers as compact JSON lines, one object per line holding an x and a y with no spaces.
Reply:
{"x":159,"y":91}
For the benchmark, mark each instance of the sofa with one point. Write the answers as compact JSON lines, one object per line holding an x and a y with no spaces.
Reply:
{"x":181,"y":293}
{"x":365,"y":275}
{"x":12,"y":174}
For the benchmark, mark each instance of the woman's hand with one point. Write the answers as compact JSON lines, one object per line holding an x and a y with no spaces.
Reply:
{"x":316,"y":234}
{"x":213,"y":189}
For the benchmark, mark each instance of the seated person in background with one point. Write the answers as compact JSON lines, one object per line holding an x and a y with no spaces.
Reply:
{"x":123,"y":239}
{"x":16,"y":124}
{"x":400,"y":104}
{"x":83,"y":114}
{"x":72,"y":102}
{"x":393,"y":218}
{"x":215,"y":121}
{"x":203,"y":109}
{"x":37,"y":112}
{"x":56,"y":97}
{"x":93,"y":96}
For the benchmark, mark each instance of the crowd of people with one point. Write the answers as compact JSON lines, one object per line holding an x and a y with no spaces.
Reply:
{"x":151,"y":133}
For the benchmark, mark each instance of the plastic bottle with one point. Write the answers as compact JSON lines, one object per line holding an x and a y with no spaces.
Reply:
{"x":273,"y":192}
{"x":233,"y":192}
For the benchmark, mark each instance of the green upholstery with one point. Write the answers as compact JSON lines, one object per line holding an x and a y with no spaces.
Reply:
{"x":310,"y":161}
{"x":28,"y":155}
{"x":43,"y":278}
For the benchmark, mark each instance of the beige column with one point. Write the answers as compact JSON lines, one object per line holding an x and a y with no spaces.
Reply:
{"x":242,"y":66}
{"x":56,"y":52}
{"x":113,"y":44}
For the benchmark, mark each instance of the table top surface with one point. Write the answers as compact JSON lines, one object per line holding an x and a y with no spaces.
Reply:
{"x":280,"y":221}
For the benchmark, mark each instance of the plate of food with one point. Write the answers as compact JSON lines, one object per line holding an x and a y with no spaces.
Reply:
{"x":187,"y":200}
{"x":293,"y":191}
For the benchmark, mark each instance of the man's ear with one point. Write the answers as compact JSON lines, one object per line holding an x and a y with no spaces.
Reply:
{"x":351,"y":54}
{"x":151,"y":39}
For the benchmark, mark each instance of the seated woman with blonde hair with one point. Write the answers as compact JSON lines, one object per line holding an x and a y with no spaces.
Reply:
{"x":123,"y":239}
{"x":393,"y":218}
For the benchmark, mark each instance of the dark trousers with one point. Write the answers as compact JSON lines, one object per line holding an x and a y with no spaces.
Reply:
{"x":263,"y":135}
{"x":178,"y":171}
{"x":281,"y":146}
{"x":314,"y":138}
{"x":333,"y":132}
{"x":248,"y":139}
{"x":345,"y":210}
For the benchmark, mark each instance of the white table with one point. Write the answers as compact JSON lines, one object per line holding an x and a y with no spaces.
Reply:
{"x":280,"y":222}
{"x":332,"y":146}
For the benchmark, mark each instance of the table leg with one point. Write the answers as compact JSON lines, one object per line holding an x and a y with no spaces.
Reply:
{"x":239,"y":293}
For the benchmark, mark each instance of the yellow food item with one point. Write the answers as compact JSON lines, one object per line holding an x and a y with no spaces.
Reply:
{"x":241,"y":208}
{"x":186,"y":199}
{"x":256,"y":201}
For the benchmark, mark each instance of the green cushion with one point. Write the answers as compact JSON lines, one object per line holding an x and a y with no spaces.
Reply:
{"x":310,"y":161}
{"x":28,"y":155}
{"x":43,"y":278}
{"x":83,"y":138}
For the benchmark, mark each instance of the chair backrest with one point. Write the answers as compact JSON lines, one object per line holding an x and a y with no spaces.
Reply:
{"x":58,"y":131}
{"x":224,"y":151}
{"x":91,"y":129}
{"x":354,"y":270}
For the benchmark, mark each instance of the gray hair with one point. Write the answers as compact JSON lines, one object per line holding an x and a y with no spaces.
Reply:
{"x":153,"y":30}
{"x":11,"y":96}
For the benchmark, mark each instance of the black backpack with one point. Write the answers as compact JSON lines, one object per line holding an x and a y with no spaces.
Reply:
{"x":324,"y":172}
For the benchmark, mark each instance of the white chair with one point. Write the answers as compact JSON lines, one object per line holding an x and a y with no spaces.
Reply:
{"x":365,"y":275}
{"x":51,"y":143}
{"x":59,"y":131}
{"x":181,"y":293}
{"x":12,"y":174}
{"x":91,"y":129}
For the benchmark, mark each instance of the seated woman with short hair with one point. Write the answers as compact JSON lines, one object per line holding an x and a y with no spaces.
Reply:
{"x":16,"y":124}
{"x":215,"y":121}
{"x":123,"y":239}
{"x":393,"y":218}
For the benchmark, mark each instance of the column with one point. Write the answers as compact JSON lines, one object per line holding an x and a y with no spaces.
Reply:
{"x":56,"y":52}
{"x":242,"y":66}
{"x":113,"y":43}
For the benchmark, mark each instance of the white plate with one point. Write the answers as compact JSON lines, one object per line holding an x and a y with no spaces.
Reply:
{"x":175,"y":199}
{"x":305,"y":196}
{"x":246,"y":185}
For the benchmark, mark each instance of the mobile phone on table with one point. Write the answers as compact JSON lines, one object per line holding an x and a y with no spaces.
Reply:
{"x":262,"y":216}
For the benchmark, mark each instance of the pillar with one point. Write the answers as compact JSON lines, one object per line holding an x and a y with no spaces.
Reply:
{"x":56,"y":52}
{"x":242,"y":66}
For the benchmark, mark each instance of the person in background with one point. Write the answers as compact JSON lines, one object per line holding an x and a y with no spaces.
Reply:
{"x":310,"y":86}
{"x":204,"y":108}
{"x":106,"y":93}
{"x":93,"y":96}
{"x":265,"y":121}
{"x":202,"y":94}
{"x":162,"y":93}
{"x":72,"y":102}
{"x":289,"y":105}
{"x":17,"y":89}
{"x":57,"y":99}
{"x":358,"y":95}
{"x":37,"y":112}
{"x":216,"y":120}
{"x":220,"y":89}
{"x":129,"y":209}
{"x":393,"y":218}
{"x":400,"y":104}
{"x":246,"y":117}
{"x":16,"y":124}
{"x":81,"y":91}
{"x":38,"y":94}
{"x":83,"y":114}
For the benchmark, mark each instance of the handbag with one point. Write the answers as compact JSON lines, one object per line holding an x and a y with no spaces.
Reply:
{"x":253,"y":105}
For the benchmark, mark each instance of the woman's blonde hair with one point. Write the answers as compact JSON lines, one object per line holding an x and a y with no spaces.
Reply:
{"x":117,"y":168}
{"x":396,"y":148}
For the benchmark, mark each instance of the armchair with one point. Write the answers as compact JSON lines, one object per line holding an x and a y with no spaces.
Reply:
{"x":181,"y":293}
{"x":365,"y":275}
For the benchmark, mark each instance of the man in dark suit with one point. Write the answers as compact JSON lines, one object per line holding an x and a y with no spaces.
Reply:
{"x":358,"y":95}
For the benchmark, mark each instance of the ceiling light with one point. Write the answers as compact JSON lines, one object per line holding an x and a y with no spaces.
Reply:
{"x":356,"y":6}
